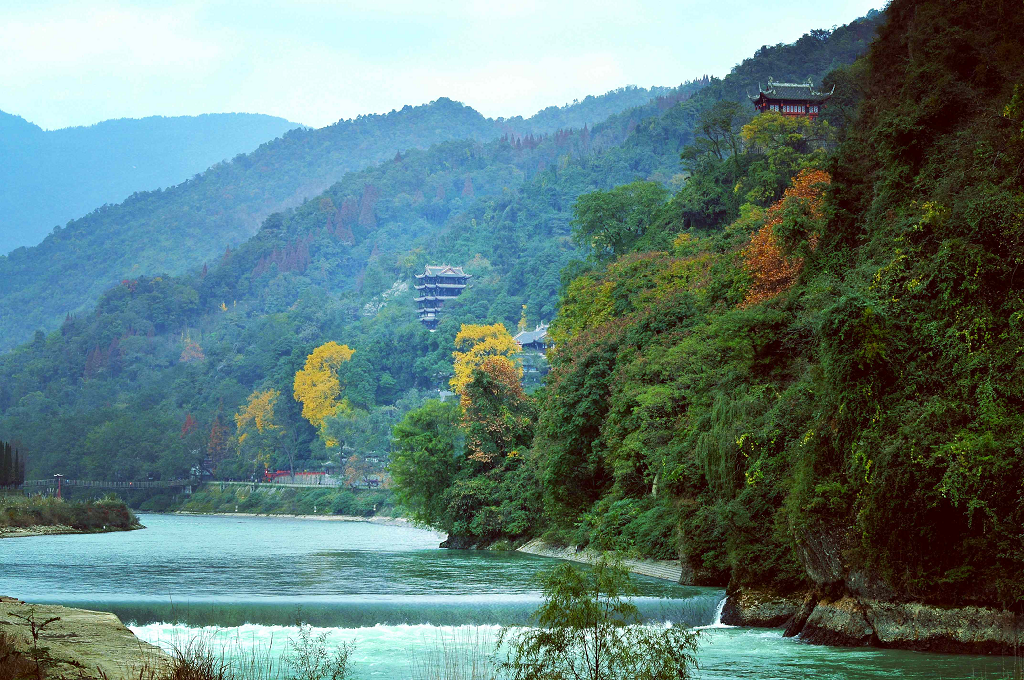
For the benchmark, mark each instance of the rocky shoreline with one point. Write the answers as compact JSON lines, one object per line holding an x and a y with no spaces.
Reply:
{"x":844,"y":621}
{"x":79,"y":644}
{"x":54,"y":530}
{"x":848,"y":621}
{"x":38,"y":530}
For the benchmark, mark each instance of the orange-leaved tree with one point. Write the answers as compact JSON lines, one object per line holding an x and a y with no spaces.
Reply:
{"x":318,"y":387}
{"x":773,"y":258}
{"x":497,"y":415}
{"x":473,"y":345}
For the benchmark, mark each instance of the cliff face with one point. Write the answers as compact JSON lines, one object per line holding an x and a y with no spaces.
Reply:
{"x":852,"y":607}
{"x":852,"y":621}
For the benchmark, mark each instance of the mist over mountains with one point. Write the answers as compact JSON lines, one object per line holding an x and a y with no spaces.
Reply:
{"x":51,"y":176}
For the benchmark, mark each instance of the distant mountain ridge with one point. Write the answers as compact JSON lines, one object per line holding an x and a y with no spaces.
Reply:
{"x":185,"y":225}
{"x":51,"y":176}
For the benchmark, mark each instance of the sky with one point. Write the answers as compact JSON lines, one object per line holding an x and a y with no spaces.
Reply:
{"x":66,"y":63}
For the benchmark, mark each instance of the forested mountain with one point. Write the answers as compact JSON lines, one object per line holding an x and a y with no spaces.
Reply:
{"x":187,"y":224}
{"x":156,"y":374}
{"x":50,"y":177}
{"x":803,"y":372}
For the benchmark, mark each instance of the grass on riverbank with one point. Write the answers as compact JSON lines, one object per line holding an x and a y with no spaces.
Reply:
{"x":212,"y":498}
{"x":106,"y":514}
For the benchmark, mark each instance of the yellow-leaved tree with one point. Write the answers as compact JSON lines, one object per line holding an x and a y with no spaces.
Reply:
{"x":258,"y":433}
{"x":473,"y":345}
{"x":317,"y":385}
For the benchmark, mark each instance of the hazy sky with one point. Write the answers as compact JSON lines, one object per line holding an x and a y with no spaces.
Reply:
{"x":78,"y":62}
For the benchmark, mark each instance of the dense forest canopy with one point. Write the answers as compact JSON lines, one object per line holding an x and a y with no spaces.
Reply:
{"x":804,"y":369}
{"x":167,"y":369}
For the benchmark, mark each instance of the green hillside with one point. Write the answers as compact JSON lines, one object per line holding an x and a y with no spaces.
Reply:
{"x":153,"y":377}
{"x":803,"y":371}
{"x":51,"y":177}
{"x":191,"y":223}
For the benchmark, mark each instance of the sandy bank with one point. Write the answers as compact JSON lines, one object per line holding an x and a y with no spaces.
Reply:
{"x":38,"y":530}
{"x":81,"y":644}
{"x":52,"y":530}
{"x":669,"y":570}
{"x":388,"y":521}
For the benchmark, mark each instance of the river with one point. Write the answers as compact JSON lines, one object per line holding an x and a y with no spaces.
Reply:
{"x":244,"y":581}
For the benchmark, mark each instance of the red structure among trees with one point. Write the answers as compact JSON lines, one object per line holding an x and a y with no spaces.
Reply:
{"x":790,"y":99}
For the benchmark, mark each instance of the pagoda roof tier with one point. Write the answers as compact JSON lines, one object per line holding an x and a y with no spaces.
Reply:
{"x":433,"y":270}
{"x":791,"y":92}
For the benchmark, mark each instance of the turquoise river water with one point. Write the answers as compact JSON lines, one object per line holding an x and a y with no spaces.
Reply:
{"x":241,"y":581}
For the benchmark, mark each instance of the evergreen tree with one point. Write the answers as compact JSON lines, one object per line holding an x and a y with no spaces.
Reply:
{"x":5,"y":464}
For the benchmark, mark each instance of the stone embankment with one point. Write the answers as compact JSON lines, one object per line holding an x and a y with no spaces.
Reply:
{"x":79,"y":644}
{"x":670,"y":570}
{"x":854,"y":621}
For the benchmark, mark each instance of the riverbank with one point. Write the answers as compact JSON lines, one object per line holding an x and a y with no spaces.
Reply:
{"x":39,"y":530}
{"x":669,"y":570}
{"x":214,"y":497}
{"x":22,"y":516}
{"x":849,"y":621}
{"x":76,"y":644}
{"x":374,"y":519}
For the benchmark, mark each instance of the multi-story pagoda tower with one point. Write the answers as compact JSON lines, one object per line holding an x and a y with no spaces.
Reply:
{"x":790,"y":99}
{"x":435,"y":285}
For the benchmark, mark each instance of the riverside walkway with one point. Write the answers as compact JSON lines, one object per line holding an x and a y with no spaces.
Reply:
{"x":186,"y":484}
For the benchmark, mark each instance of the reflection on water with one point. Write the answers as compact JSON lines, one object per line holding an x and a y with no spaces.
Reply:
{"x":389,"y":588}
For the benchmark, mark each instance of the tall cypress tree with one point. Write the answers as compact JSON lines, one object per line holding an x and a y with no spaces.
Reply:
{"x":7,"y":472}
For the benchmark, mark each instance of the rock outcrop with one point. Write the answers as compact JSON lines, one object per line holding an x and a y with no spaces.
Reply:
{"x":454,"y":542}
{"x":759,"y":609}
{"x":852,"y":607}
{"x":908,"y":625}
{"x":78,"y":644}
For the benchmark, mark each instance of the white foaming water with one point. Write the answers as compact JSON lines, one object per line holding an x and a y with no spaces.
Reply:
{"x":718,"y":617}
{"x":382,"y":652}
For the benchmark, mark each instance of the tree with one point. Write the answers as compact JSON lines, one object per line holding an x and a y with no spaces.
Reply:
{"x":498,"y":416}
{"x":217,"y":443}
{"x":7,"y":470}
{"x":317,"y":385}
{"x":258,"y":433}
{"x":609,"y":223}
{"x":475,"y":343}
{"x":773,"y":258}
{"x":425,"y":459}
{"x":715,"y":136}
{"x":785,"y":145}
{"x":588,"y":631}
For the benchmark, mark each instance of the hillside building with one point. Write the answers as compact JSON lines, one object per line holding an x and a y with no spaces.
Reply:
{"x":533,"y":357}
{"x":435,"y":285}
{"x":790,"y":99}
{"x":536,"y":340}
